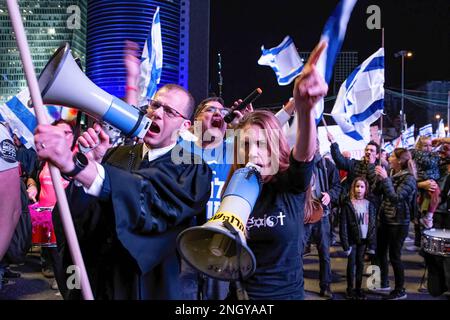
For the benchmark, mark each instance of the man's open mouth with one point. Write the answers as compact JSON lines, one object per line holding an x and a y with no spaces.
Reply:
{"x":154,"y":127}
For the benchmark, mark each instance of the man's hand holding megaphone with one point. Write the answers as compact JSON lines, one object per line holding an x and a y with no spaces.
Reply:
{"x":97,"y":141}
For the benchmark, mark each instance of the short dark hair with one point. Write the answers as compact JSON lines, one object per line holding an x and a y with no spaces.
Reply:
{"x":191,"y":102}
{"x":203,"y":103}
{"x":373,"y":143}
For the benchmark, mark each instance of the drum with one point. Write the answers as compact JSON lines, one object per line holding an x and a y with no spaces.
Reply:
{"x":41,"y":219}
{"x":436,"y":242}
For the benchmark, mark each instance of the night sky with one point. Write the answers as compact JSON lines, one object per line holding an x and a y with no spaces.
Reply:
{"x":239,"y":28}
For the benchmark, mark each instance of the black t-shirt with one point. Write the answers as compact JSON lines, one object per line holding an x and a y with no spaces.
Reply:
{"x":275,"y":230}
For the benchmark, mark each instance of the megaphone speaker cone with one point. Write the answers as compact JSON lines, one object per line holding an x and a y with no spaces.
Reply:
{"x":211,"y":249}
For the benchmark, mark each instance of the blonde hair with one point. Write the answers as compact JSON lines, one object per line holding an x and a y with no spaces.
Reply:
{"x":421,"y":142}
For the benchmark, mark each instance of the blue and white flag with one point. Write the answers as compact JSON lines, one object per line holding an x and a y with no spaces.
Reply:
{"x":151,"y":62}
{"x":426,"y":130}
{"x":408,"y":137}
{"x":388,"y":147}
{"x":334,"y":34}
{"x":398,"y":143}
{"x":360,"y":99}
{"x":284,"y":60}
{"x":21,"y":118}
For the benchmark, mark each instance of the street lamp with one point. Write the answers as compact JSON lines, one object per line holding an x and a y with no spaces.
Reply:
{"x":403,"y":54}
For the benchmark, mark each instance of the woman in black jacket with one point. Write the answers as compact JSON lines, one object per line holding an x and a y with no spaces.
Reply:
{"x":358,"y":233}
{"x":400,"y":193}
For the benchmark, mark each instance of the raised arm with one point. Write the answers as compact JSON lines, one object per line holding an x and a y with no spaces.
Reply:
{"x":309,"y":88}
{"x":342,"y":163}
{"x":131,"y":61}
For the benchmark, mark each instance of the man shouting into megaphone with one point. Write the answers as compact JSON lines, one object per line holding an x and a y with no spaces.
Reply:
{"x":129,"y":203}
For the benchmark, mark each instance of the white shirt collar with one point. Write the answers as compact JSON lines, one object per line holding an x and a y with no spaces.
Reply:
{"x":155,"y":153}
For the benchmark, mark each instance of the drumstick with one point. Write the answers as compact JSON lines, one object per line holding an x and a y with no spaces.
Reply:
{"x":24,"y":50}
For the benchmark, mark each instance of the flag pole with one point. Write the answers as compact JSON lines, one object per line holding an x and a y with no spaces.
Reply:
{"x":382,"y":112}
{"x":325,"y":124}
{"x":24,"y":50}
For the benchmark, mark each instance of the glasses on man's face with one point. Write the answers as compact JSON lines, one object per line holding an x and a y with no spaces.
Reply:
{"x":212,"y":109}
{"x":168,"y":111}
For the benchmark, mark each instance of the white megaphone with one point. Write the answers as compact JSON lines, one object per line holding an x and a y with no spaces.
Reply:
{"x":218,"y":248}
{"x":63,"y":83}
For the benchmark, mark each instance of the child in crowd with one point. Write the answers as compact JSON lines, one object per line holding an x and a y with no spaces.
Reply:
{"x":358,"y":233}
{"x":427,"y":163}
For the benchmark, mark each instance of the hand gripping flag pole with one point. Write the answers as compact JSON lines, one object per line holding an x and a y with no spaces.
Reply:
{"x":16,"y":21}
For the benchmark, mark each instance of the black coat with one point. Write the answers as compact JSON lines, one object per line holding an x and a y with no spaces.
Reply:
{"x":399,"y":199}
{"x":349,"y":230}
{"x":128,"y":235}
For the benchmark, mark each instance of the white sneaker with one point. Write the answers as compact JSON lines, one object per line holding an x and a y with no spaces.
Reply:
{"x":412,"y":248}
{"x":409,"y":240}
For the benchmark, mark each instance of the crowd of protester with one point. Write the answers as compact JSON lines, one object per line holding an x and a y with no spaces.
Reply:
{"x":129,"y":202}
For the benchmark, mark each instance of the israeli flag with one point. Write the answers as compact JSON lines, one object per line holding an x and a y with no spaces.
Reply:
{"x":388,"y":147}
{"x":151,"y":62}
{"x":334,"y":34}
{"x":398,"y":143}
{"x":22,"y":119}
{"x":284,"y":60}
{"x":360,"y":99}
{"x":426,"y":130}
{"x":408,"y":137}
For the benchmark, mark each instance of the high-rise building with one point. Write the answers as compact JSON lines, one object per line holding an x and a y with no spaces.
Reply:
{"x":110,"y":23}
{"x":48,"y":23}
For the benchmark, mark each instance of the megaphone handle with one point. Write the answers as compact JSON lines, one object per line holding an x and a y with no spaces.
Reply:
{"x":85,"y":150}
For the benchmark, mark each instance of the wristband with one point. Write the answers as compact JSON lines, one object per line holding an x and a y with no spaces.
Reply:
{"x":132,"y":88}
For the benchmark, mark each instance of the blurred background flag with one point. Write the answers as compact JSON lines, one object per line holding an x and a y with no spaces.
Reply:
{"x":284,"y":60}
{"x":408,"y":137}
{"x":388,"y":147}
{"x":334,"y":34}
{"x":360,"y":99}
{"x":426,"y":130}
{"x":22,"y":119}
{"x":440,"y":131}
{"x":397,"y":143}
{"x":151,"y":62}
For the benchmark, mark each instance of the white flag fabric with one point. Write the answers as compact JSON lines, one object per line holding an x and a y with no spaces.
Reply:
{"x":334,"y":34}
{"x":440,"y":131}
{"x":388,"y":147}
{"x":426,"y":130}
{"x":22,"y":119}
{"x":151,"y":62}
{"x":408,"y":137}
{"x":360,"y":99}
{"x":398,"y":143}
{"x":284,"y":60}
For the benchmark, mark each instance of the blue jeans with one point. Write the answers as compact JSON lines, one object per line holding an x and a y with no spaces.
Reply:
{"x":320,"y":233}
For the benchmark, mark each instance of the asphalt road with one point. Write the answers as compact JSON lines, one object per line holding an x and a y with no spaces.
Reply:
{"x":34,"y":286}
